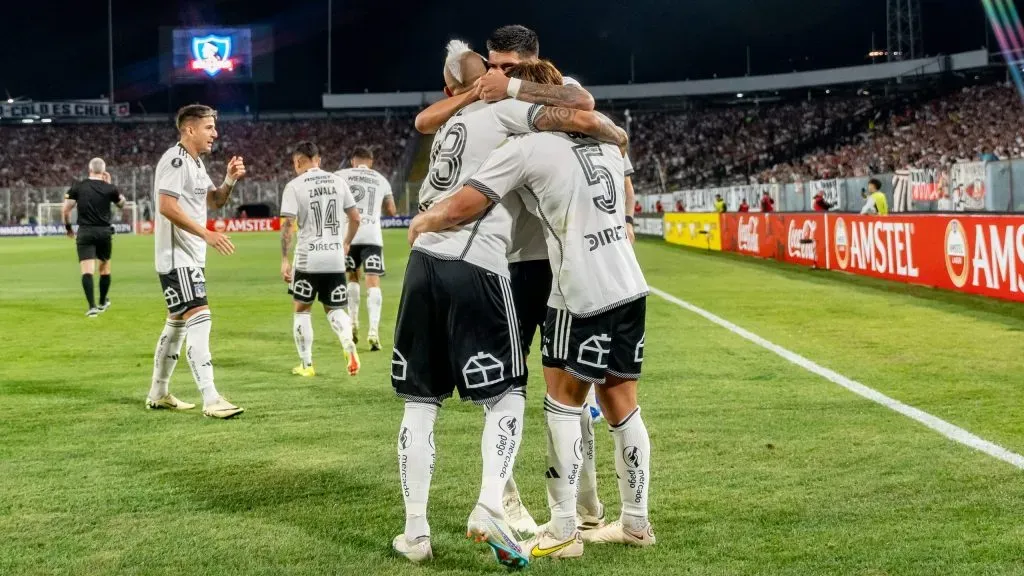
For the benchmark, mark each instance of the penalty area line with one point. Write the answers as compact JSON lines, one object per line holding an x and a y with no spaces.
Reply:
{"x":951,"y":431}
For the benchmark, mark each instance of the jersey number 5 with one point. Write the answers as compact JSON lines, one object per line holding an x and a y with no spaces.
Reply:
{"x":586,"y":153}
{"x":446,"y":158}
{"x":328,"y":219}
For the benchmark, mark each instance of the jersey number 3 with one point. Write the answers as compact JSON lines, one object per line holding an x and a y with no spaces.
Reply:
{"x":586,"y":153}
{"x":446,"y":158}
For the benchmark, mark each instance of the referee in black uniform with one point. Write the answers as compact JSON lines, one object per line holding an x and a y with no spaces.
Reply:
{"x":93,"y":196}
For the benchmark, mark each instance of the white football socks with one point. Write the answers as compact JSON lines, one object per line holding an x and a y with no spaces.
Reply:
{"x":416,"y":465}
{"x":374,"y":302}
{"x":168,"y":347}
{"x":342,"y":326}
{"x":353,"y":301}
{"x":499,"y":444}
{"x":633,"y":466}
{"x":302,"y":331}
{"x":588,"y":498}
{"x":199,"y":358}
{"x":564,"y":460}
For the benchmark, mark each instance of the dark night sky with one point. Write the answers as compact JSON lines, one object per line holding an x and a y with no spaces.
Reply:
{"x":57,"y":50}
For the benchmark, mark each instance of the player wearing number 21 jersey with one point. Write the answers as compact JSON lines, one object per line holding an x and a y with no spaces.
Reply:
{"x":372,"y":193}
{"x":322,"y":205}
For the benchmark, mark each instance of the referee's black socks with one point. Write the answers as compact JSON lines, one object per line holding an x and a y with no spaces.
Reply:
{"x":87,"y":286}
{"x":104,"y":288}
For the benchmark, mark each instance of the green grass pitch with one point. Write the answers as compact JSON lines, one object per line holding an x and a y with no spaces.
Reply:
{"x":759,"y":467}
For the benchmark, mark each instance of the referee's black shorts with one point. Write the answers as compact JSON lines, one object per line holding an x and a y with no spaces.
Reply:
{"x":94,"y":242}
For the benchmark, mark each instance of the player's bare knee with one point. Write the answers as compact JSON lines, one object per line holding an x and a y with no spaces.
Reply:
{"x":302,"y":307}
{"x":193,"y":311}
{"x":353,"y":276}
{"x":618,"y":398}
{"x":372,"y":281}
{"x":104,"y":267}
{"x":565,"y":388}
{"x":87,"y":266}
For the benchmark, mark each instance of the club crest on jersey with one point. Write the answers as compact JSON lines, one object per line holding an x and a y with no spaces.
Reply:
{"x":212,"y":54}
{"x":176,"y":162}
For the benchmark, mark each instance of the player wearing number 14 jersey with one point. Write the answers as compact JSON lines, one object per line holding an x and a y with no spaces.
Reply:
{"x":316,"y":200}
{"x":372,"y":194}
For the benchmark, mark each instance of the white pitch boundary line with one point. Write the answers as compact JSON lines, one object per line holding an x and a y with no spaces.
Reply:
{"x":939,"y":425}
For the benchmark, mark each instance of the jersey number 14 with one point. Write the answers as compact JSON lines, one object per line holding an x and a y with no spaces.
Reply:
{"x":328,"y":219}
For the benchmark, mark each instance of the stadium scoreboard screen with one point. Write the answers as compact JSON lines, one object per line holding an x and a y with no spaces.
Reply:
{"x":222,"y":54}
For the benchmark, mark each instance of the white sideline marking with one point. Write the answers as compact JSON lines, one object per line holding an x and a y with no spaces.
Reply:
{"x":939,"y":425}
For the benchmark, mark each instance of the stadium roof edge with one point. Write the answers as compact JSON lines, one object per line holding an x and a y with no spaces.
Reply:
{"x":772,"y":82}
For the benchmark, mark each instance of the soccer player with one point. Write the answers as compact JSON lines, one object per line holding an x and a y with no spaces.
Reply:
{"x":314,"y":199}
{"x":457,"y":326}
{"x":93,"y":197}
{"x":594,"y":330}
{"x":529,"y":268}
{"x":372,"y":193}
{"x":182,"y":192}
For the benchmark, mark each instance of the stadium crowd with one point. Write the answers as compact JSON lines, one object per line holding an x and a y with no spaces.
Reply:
{"x":978,"y":122}
{"x":681,"y":149}
{"x":705,"y":147}
{"x":57,"y":154}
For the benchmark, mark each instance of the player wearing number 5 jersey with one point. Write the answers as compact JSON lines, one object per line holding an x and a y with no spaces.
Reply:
{"x":595,"y":329}
{"x":457,"y":326}
{"x":372,"y":193}
{"x":316,"y":200}
{"x":183,"y":190}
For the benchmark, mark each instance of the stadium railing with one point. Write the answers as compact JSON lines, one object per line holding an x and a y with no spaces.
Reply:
{"x":962,"y":187}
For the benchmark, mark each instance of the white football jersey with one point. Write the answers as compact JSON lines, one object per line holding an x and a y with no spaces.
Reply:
{"x":181,"y":176}
{"x":459,"y":149}
{"x":528,"y":241}
{"x":575,"y":186}
{"x":318,"y":200}
{"x":369,"y":188}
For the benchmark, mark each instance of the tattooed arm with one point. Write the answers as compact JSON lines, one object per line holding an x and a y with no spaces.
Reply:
{"x":287,"y":236}
{"x":593,"y":124}
{"x":494,"y":86}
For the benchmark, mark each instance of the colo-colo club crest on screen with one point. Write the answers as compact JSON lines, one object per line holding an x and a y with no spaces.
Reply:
{"x":212,"y":54}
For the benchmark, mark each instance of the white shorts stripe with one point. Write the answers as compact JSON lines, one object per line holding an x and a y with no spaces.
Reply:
{"x":567,"y":329}
{"x":186,"y":286}
{"x":513,"y":326}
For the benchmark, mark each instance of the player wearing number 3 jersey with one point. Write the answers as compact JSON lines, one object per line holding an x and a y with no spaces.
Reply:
{"x":322,"y":206}
{"x":372,"y":193}
{"x":457,"y":326}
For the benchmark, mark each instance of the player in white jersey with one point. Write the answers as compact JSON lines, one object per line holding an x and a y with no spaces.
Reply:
{"x":372,"y":193}
{"x":457,"y":326}
{"x":529,"y":269}
{"x":594,"y":331}
{"x":315,"y":200}
{"x":183,"y":190}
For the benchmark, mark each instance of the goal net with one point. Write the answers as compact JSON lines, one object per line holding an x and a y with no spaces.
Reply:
{"x":125,"y":219}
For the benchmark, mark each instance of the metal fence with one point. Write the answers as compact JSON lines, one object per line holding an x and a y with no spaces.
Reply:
{"x":963,"y":187}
